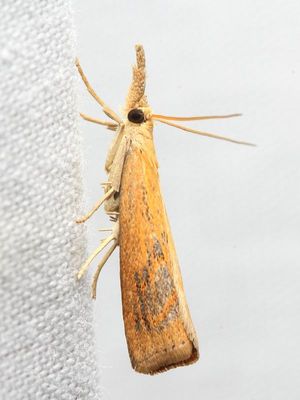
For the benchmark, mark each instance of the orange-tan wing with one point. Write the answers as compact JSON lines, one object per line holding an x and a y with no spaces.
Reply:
{"x":159,"y":331}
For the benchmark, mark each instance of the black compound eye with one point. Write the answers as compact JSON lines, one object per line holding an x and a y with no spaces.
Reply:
{"x":136,"y":116}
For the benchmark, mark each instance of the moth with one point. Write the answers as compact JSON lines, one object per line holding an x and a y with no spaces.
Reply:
{"x":158,"y":326}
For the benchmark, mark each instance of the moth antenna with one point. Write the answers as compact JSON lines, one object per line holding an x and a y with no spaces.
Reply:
{"x":212,"y":135}
{"x":194,"y":118}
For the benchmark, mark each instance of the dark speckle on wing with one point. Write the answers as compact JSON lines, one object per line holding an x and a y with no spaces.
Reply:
{"x":164,"y":237}
{"x":157,"y":249}
{"x":172,"y":314}
{"x":141,"y":300}
{"x":164,"y":285}
{"x":152,"y":300}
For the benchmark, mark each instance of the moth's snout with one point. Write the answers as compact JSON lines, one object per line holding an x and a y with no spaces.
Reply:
{"x":136,"y":116}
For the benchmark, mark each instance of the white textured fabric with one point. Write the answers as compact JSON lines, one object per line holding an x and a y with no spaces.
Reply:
{"x":46,"y":333}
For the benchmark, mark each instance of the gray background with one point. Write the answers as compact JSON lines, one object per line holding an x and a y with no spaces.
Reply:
{"x":234,"y":210}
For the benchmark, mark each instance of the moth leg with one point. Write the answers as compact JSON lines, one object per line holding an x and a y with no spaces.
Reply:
{"x":109,"y":125}
{"x":114,"y":236}
{"x":114,"y":178}
{"x":114,"y":147}
{"x":110,"y":113}
{"x":115,"y":172}
{"x":113,"y":217}
{"x":96,"y":206}
{"x":99,"y":268}
{"x":105,"y":184}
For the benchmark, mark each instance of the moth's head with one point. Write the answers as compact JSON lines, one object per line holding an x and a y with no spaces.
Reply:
{"x":138,"y":112}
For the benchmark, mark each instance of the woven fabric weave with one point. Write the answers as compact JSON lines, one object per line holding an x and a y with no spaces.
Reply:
{"x":46,"y":333}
